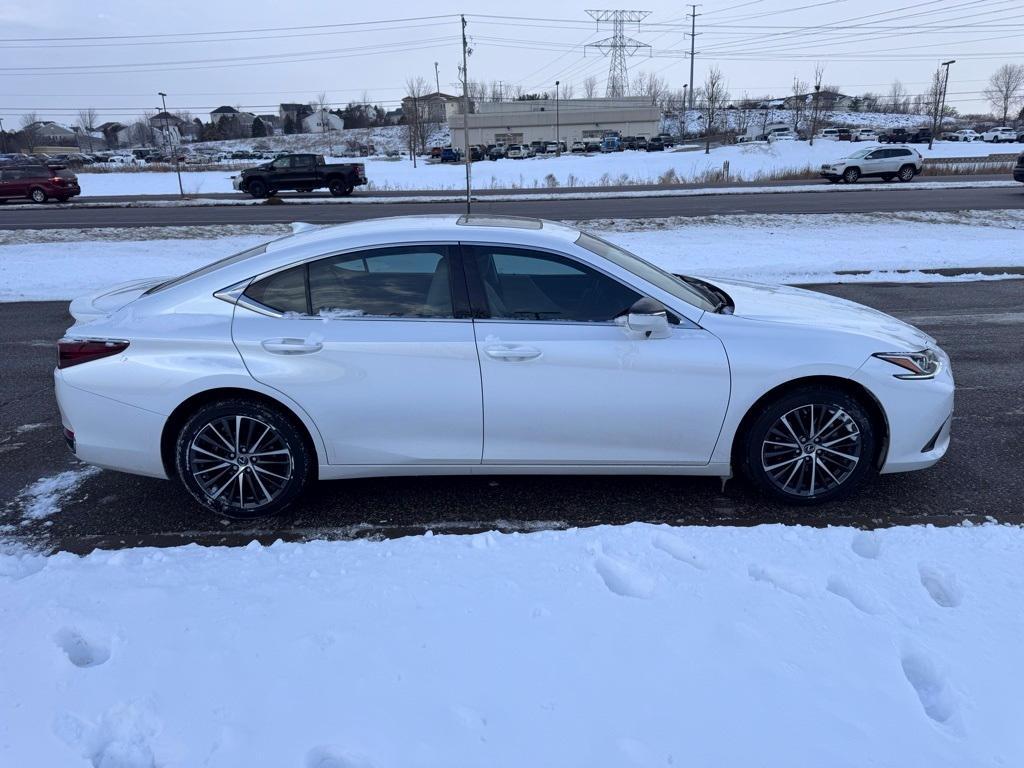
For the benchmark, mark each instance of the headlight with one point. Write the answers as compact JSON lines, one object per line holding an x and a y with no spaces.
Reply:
{"x":925,"y":364}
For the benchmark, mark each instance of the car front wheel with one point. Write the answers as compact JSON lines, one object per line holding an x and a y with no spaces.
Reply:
{"x":850,"y":175}
{"x":257,"y":188}
{"x":814,"y":445}
{"x":243,"y":459}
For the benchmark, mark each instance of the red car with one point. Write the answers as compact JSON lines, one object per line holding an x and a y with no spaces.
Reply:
{"x":37,"y":183}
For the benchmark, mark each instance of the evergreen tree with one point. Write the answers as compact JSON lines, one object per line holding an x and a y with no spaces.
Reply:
{"x":259,"y":130}
{"x":289,"y":125}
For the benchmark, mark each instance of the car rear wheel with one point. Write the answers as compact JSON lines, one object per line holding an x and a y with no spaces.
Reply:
{"x":37,"y":195}
{"x":257,"y":188}
{"x":813,"y":445}
{"x":850,"y":175}
{"x":242,"y":459}
{"x":907,"y":173}
{"x":340,"y":187}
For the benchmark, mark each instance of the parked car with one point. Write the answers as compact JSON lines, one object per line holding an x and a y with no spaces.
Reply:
{"x":781,"y":134}
{"x":579,"y":146}
{"x":497,"y":152}
{"x":863,"y":134}
{"x":628,"y":142}
{"x":844,"y":134}
{"x":920,"y":136}
{"x":1000,"y":134}
{"x":964,"y":135}
{"x":593,"y":145}
{"x":655,"y":144}
{"x":667,"y":140}
{"x":887,"y":163}
{"x":300,"y":172}
{"x":1018,"y":169}
{"x":641,"y":143}
{"x":611,"y":144}
{"x":518,"y":152}
{"x":280,"y":367}
{"x":38,"y":183}
{"x":829,"y":134}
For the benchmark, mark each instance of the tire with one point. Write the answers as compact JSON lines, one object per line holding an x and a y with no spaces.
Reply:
{"x":340,"y":187}
{"x":850,"y":175}
{"x":800,"y":471}
{"x":268,"y":480}
{"x":37,"y":195}
{"x":257,"y":188}
{"x":907,"y":173}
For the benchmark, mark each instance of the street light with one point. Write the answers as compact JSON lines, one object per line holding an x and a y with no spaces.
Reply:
{"x":558,"y":141}
{"x":942,"y":107}
{"x":167,"y":136}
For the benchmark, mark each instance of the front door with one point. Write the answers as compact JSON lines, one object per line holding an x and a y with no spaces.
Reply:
{"x":374,"y":346}
{"x":564,"y":383}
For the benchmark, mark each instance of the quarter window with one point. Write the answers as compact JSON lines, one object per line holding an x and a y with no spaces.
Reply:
{"x":283,"y":291}
{"x":531,"y":285}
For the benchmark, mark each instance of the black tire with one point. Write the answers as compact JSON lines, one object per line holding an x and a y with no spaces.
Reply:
{"x":257,"y":188}
{"x":269,"y":480}
{"x":794,"y":474}
{"x":340,"y":187}
{"x":907,"y":173}
{"x":37,"y":195}
{"x":850,"y":175}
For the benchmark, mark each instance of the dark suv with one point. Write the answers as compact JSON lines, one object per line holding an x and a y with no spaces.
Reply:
{"x":37,"y":183}
{"x":1018,"y":169}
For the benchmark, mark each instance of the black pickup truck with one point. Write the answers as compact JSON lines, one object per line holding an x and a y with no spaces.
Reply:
{"x":301,"y":173}
{"x":903,"y":136}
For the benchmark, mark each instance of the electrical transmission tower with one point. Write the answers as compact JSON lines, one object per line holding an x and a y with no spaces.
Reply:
{"x":618,"y":47}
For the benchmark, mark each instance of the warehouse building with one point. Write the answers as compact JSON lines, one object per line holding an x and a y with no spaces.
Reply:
{"x":521,"y":122}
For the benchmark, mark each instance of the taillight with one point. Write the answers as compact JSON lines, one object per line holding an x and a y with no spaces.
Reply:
{"x":58,"y":180}
{"x":74,"y":351}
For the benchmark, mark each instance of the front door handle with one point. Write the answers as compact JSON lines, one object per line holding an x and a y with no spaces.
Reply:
{"x":512,"y":353}
{"x":291,"y":346}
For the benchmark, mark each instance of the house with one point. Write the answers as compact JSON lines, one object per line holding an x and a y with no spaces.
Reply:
{"x":272,"y":123}
{"x":394,"y":117}
{"x":516,"y":122}
{"x":433,"y":107}
{"x":116,"y":134}
{"x":297,"y":112}
{"x":322,"y":121}
{"x":166,"y":129}
{"x":49,"y":132}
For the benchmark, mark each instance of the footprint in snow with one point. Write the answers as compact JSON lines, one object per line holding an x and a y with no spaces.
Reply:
{"x":674,"y":546}
{"x":80,"y":651}
{"x":624,"y":579}
{"x":941,"y":585}
{"x":787,"y":581}
{"x":867,"y":544}
{"x":860,"y":598}
{"x":930,"y":685}
{"x":329,"y":757}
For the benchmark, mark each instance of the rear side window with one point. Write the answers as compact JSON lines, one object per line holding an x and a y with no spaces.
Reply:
{"x":283,"y":291}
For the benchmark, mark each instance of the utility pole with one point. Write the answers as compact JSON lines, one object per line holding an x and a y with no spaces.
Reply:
{"x":167,"y":134}
{"x":414,"y":128}
{"x":437,"y":78}
{"x":942,"y":108}
{"x":558,"y":140}
{"x":693,"y":41}
{"x":618,"y":47}
{"x":682,"y":113}
{"x":2,"y":134}
{"x":465,"y":112}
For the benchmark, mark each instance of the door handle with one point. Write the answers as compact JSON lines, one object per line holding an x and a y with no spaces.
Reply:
{"x":291,"y":346}
{"x":512,"y":353}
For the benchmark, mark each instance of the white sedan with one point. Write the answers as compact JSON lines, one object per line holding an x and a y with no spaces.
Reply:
{"x":485,"y":345}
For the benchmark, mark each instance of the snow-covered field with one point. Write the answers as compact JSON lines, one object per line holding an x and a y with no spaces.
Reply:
{"x":747,"y":162}
{"x":628,"y":646}
{"x":768,"y":248}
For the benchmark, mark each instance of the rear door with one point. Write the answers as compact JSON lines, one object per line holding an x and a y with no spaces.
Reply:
{"x":304,"y":172}
{"x":378,"y":347}
{"x":564,"y":383}
{"x":12,"y":183}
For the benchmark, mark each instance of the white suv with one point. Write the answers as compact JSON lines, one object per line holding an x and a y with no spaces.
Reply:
{"x":1002,"y":133}
{"x":887,"y":163}
{"x":863,"y":134}
{"x":965,"y":135}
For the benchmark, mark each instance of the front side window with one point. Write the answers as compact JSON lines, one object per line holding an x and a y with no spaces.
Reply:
{"x":522,"y":284}
{"x":281,"y":164}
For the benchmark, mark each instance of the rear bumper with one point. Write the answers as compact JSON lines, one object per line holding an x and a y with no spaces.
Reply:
{"x":108,"y":433}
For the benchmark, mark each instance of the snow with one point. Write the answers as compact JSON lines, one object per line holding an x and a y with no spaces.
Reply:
{"x":42,"y":498}
{"x":610,"y":646}
{"x":767,"y":248}
{"x":748,"y":162}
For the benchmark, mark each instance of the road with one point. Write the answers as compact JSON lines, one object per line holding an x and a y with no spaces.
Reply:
{"x":865,"y":198}
{"x":981,"y":324}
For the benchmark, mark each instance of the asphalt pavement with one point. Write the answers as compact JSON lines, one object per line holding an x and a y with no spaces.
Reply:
{"x":866,"y":197}
{"x":981,"y":324}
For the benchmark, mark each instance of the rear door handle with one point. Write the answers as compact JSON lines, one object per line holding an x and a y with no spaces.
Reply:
{"x":512,"y":353}
{"x":291,"y":346}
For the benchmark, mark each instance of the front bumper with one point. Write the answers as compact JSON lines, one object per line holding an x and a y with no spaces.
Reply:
{"x":831,"y":173}
{"x":1018,"y":173}
{"x":236,"y":182}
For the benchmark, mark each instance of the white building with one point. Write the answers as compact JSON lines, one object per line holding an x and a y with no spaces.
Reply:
{"x":322,"y":121}
{"x":518,"y":122}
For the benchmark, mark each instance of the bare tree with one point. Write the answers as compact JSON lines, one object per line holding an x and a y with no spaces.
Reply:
{"x":417,"y":119}
{"x":897,"y":99}
{"x":714,"y":97}
{"x":590,"y":87}
{"x":799,"y":101}
{"x":819,"y":74}
{"x":87,"y":119}
{"x":871,"y":102}
{"x":495,"y":91}
{"x":30,"y":129}
{"x":568,"y":91}
{"x":649,"y":85}
{"x":743,"y":115}
{"x":1005,"y":88}
{"x":935,"y":97}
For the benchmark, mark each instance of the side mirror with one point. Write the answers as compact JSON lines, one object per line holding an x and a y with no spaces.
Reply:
{"x":650,"y":318}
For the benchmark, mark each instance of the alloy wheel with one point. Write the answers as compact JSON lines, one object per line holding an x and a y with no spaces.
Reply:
{"x":811,"y":450}
{"x":240,"y":461}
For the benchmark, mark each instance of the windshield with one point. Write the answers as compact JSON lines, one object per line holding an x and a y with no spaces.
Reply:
{"x":860,"y":153}
{"x":644,"y":269}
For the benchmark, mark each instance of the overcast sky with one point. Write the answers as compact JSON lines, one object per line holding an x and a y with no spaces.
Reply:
{"x":204,"y":54}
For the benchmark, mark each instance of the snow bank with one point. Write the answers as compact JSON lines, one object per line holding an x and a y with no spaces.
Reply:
{"x":631,"y":646}
{"x":746,"y":162}
{"x":767,"y":248}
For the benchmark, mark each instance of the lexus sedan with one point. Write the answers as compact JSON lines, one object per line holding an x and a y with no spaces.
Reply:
{"x":483,"y":345}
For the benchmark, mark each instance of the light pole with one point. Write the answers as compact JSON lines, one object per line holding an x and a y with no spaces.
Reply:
{"x":942,"y":107}
{"x":437,"y":77}
{"x":167,"y":135}
{"x":558,"y":140}
{"x":3,"y":136}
